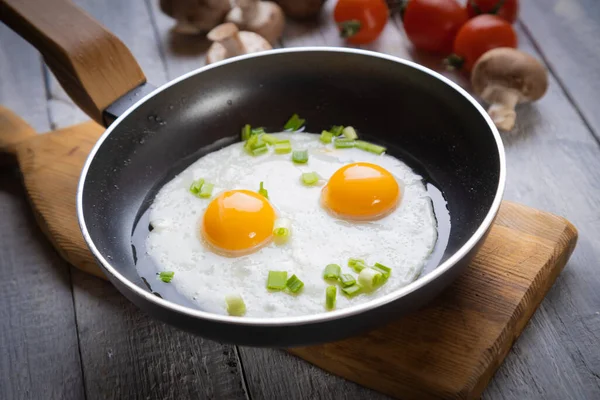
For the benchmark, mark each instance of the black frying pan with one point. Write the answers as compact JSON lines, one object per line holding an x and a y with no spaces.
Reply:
{"x":423,"y":118}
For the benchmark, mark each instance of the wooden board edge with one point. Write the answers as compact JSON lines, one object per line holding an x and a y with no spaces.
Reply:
{"x":528,"y":305}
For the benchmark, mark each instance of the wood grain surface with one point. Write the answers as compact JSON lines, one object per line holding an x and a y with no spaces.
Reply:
{"x":450,"y":349}
{"x":553,"y":163}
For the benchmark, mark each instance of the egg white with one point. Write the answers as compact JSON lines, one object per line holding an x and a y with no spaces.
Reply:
{"x":402,"y":240}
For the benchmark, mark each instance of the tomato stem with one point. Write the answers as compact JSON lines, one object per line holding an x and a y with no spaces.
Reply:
{"x":349,"y":28}
{"x":493,"y":11}
{"x":453,"y":61}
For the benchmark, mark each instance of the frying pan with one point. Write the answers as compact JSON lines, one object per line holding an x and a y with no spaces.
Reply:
{"x":154,"y":133}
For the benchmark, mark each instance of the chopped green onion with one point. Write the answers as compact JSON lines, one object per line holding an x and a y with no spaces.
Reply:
{"x":337,"y":130}
{"x":283,"y":147}
{"x":282,"y":230}
{"x":310,"y":178}
{"x":260,"y":150}
{"x":277,"y":280}
{"x":196,"y":186}
{"x":258,"y":131}
{"x":263,"y":191}
{"x":246,"y":132}
{"x":330,"y":295}
{"x":235,"y":305}
{"x":294,"y":123}
{"x":350,"y":133}
{"x":357,"y":264}
{"x":166,"y":276}
{"x":269,"y":139}
{"x":253,"y":142}
{"x":294,"y":284}
{"x":347,"y":280}
{"x":326,"y":137}
{"x":352,"y":291}
{"x":369,"y":278}
{"x":332,"y":271}
{"x":300,"y":156}
{"x":385,"y":271}
{"x":370,"y":147}
{"x":343,"y":143}
{"x":206,"y":190}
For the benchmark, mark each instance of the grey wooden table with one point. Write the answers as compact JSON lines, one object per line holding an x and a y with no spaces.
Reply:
{"x":66,"y":335}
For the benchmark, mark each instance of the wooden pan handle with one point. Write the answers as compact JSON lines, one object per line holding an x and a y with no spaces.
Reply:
{"x":92,"y":65}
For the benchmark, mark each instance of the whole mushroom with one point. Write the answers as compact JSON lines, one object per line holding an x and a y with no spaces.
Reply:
{"x":504,"y":77}
{"x":228,"y":42}
{"x":301,"y":9}
{"x":263,"y":17}
{"x":195,"y":16}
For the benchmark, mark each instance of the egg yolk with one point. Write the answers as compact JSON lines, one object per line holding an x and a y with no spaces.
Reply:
{"x":361,"y":191}
{"x":238,"y":222}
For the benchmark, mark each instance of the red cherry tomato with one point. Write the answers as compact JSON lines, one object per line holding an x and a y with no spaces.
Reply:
{"x":431,"y":25}
{"x":505,"y":9}
{"x":361,"y":21}
{"x":480,"y":34}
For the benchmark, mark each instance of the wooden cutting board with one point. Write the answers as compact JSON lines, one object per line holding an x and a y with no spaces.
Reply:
{"x":449,"y":349}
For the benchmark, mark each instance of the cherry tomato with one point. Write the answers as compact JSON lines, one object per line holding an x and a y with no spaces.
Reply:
{"x":505,"y":9}
{"x":480,"y":34}
{"x":361,"y":21}
{"x":431,"y":25}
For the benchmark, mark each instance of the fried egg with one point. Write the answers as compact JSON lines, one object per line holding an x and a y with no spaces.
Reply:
{"x":367,"y":206}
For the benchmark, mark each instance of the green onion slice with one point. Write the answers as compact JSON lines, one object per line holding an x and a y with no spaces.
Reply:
{"x":330,"y":295}
{"x":282,"y":230}
{"x":283,"y":147}
{"x":326,"y":137}
{"x":369,"y":278}
{"x":370,"y":147}
{"x":269,"y":139}
{"x":258,"y":131}
{"x":332,"y":271}
{"x":300,"y":156}
{"x":260,"y":150}
{"x":310,"y":178}
{"x":206,"y":190}
{"x":352,"y":291}
{"x":166,"y":276}
{"x":294,"y":123}
{"x":385,"y":271}
{"x":262,"y":191}
{"x":277,"y":280}
{"x":337,"y":130}
{"x":235,"y":305}
{"x":347,"y":280}
{"x":350,"y":133}
{"x":343,"y":143}
{"x":246,"y":132}
{"x":196,"y":186}
{"x":294,"y":284}
{"x":357,"y":264}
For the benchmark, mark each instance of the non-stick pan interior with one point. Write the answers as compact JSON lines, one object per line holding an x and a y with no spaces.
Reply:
{"x":426,"y":122}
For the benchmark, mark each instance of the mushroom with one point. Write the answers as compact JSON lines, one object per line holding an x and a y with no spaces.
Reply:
{"x":301,"y":9}
{"x":195,"y":16}
{"x":504,"y":77}
{"x":263,"y":17}
{"x":228,"y":41}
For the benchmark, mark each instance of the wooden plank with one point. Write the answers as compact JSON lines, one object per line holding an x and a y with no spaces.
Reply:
{"x":22,"y":82}
{"x":130,"y":22}
{"x":127,"y":355}
{"x":38,"y":336}
{"x":567,"y":34}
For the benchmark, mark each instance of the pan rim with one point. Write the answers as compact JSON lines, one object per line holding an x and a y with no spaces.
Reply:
{"x":437,"y":273}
